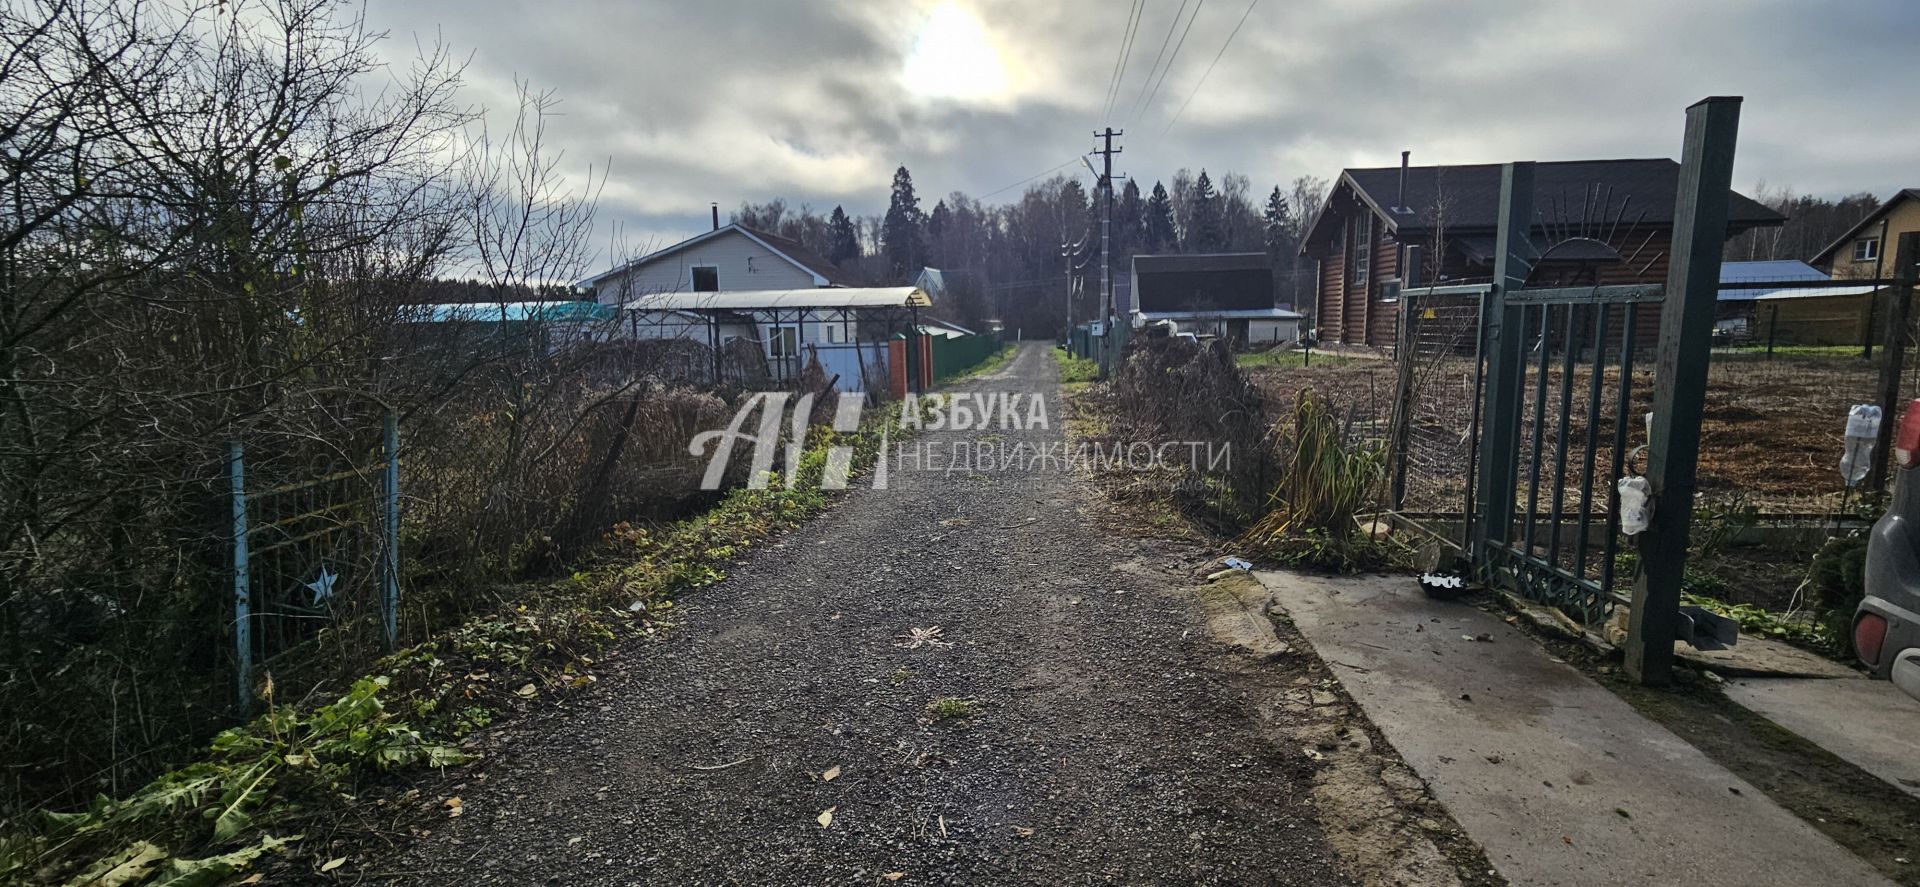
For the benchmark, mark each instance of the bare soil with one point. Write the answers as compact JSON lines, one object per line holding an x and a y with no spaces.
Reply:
{"x":1771,"y":435}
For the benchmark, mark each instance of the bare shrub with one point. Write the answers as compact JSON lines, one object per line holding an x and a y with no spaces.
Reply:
{"x":1172,"y":389}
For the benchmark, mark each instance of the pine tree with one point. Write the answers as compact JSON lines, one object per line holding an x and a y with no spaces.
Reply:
{"x":1158,"y":223}
{"x":903,"y":234}
{"x":844,"y":240}
{"x":1207,"y":233}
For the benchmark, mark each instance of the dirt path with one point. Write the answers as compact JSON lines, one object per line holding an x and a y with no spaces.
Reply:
{"x":1114,"y":740}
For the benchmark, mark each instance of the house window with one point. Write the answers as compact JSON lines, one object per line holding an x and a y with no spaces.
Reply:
{"x":833,"y":333}
{"x":1362,"y":246}
{"x":784,"y":342}
{"x":1866,"y":249}
{"x":706,"y":278}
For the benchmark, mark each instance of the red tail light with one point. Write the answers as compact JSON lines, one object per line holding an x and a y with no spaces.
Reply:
{"x":1869,"y":633}
{"x":1906,"y":441}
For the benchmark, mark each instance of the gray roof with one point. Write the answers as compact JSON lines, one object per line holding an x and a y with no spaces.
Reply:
{"x":783,"y":300}
{"x":1224,"y":314}
{"x":1165,"y":264}
{"x":1634,"y":192}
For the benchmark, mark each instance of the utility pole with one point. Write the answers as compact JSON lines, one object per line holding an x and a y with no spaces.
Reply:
{"x":1066,"y":260}
{"x":1106,"y":152}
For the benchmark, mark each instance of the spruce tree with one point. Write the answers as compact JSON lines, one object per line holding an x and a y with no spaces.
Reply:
{"x":1208,"y":232}
{"x":1158,"y":224}
{"x":844,"y":240}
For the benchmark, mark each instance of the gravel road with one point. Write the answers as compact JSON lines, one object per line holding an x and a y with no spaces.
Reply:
{"x":1111,"y":739}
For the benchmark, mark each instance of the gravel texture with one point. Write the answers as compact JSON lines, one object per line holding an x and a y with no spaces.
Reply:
{"x":1111,"y":739}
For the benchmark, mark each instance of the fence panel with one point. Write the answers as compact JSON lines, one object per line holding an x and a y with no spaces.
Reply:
{"x":317,"y":552}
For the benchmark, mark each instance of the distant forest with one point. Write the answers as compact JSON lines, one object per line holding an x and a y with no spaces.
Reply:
{"x":1009,"y":255}
{"x":1812,"y":224}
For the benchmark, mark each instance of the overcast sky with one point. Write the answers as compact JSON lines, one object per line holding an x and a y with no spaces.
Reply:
{"x":817,"y":101}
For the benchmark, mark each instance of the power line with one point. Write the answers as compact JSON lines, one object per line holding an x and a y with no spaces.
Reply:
{"x":1139,"y":100}
{"x":1120,"y":63}
{"x":1216,"y":61}
{"x":1176,"y":54}
{"x":1075,"y":159}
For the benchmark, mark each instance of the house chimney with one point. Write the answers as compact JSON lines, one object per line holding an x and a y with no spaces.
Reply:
{"x":1400,"y":203}
{"x":716,"y":206}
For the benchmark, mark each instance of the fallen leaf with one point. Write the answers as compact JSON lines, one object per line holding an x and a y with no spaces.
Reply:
{"x":893,"y":876}
{"x":826,"y":817}
{"x":527,"y":690}
{"x":254,"y":878}
{"x":1022,"y":831}
{"x":832,"y":773}
{"x":332,"y":864}
{"x":574,"y":840}
{"x":455,"y":807}
{"x":943,"y":826}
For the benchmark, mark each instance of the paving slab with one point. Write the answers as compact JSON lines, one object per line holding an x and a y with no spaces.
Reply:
{"x":1559,"y":780}
{"x":1869,"y":724}
{"x":1763,"y":657}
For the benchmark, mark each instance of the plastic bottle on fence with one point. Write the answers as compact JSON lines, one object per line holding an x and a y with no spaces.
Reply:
{"x":1636,"y":511}
{"x":1863,"y":430}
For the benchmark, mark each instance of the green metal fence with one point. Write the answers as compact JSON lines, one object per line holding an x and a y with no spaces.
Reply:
{"x":956,"y":354}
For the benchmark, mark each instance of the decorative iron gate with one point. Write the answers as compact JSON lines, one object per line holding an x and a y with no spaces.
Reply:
{"x":1556,"y":367}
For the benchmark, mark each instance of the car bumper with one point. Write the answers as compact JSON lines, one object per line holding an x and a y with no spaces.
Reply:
{"x":1903,"y":635}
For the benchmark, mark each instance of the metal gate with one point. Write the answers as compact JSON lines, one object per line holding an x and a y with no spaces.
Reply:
{"x":1557,"y":386}
{"x":1550,"y":527}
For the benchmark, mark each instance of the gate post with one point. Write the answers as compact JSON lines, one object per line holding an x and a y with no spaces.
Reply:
{"x":1513,"y":257}
{"x":1893,"y":361}
{"x":1680,"y":382}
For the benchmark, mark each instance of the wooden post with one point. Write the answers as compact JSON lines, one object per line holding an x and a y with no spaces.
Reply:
{"x":390,"y":530}
{"x":1893,"y":362}
{"x":1400,"y":428}
{"x":1513,"y":258}
{"x":1680,"y":389}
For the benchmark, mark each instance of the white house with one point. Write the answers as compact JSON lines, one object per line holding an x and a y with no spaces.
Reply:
{"x":729,"y":258}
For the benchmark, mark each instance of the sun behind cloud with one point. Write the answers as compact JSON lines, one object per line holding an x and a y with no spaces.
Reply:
{"x":954,"y":57}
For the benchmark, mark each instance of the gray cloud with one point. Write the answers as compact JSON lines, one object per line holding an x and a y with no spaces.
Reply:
{"x":731,"y":100}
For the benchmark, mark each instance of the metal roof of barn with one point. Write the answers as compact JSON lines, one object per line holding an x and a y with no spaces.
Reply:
{"x":783,"y":300}
{"x":1224,"y":314}
{"x":1761,"y":275}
